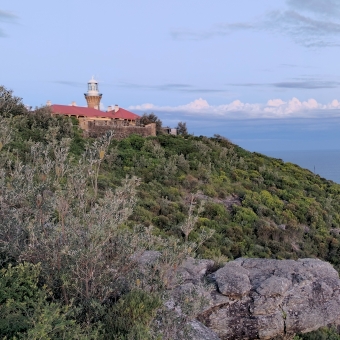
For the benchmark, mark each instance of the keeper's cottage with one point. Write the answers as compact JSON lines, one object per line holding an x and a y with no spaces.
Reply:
{"x":95,"y":122}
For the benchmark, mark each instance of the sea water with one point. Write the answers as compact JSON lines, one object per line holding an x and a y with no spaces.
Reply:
{"x":325,"y":163}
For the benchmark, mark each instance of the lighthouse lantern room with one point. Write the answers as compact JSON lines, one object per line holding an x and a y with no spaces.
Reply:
{"x":93,"y":96}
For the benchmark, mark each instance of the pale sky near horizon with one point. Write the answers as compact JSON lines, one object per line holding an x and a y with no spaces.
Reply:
{"x":263,"y":73}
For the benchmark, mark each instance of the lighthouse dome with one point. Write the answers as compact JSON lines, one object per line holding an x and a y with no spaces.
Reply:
{"x":92,"y":81}
{"x":92,"y":88}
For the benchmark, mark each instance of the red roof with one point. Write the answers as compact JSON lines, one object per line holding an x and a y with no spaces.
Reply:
{"x":124,"y":114}
{"x":88,"y":112}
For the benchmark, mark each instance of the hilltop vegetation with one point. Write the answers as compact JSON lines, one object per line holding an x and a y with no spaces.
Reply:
{"x":257,"y":206}
{"x":74,"y":213}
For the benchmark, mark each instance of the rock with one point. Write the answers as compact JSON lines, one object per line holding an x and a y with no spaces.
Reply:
{"x":200,"y":332}
{"x":233,"y":280}
{"x":266,"y":299}
{"x":269,"y":295}
{"x":274,"y":286}
{"x":194,"y":269}
{"x":255,"y":298}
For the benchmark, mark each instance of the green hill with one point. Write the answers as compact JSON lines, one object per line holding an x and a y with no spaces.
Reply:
{"x":256,"y":205}
{"x":199,"y":192}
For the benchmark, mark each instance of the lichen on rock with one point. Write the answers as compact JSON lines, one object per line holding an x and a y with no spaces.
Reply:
{"x":267,"y":299}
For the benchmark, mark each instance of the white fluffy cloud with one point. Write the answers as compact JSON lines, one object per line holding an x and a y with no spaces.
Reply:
{"x":275,"y":108}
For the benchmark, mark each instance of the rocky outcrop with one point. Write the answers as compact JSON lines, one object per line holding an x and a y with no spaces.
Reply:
{"x":256,"y":298}
{"x":264,"y":299}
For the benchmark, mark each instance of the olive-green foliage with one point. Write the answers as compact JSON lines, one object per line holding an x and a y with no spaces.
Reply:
{"x":131,"y":316}
{"x":26,"y":309}
{"x":321,"y":334}
{"x":19,"y":294}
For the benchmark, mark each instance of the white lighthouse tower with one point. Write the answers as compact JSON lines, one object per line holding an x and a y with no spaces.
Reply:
{"x":93,"y":96}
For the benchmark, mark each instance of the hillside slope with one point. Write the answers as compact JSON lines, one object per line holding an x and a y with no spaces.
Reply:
{"x":256,"y":205}
{"x":79,"y":210}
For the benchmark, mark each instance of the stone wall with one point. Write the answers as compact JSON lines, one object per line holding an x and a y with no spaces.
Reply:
{"x":120,"y":131}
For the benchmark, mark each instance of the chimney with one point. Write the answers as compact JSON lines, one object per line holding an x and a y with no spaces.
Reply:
{"x":73,"y":104}
{"x":109,"y":108}
{"x":48,"y":103}
{"x":116,"y":108}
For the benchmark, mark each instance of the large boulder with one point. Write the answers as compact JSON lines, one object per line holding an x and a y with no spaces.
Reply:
{"x":254,"y":298}
{"x":264,"y":299}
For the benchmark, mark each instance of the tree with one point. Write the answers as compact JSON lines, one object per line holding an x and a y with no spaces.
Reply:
{"x":152,"y":118}
{"x":182,"y":129}
{"x":9,"y":104}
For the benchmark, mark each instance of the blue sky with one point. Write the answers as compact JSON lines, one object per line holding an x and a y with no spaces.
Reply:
{"x":263,"y":73}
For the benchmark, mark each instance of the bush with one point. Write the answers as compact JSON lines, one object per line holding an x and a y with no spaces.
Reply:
{"x":131,"y":316}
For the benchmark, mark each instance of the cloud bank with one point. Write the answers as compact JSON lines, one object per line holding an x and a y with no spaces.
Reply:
{"x":185,"y":88}
{"x":308,"y":30}
{"x":273,"y":109}
{"x":310,"y":84}
{"x":69,"y":83}
{"x":324,"y":7}
{"x":6,"y":17}
{"x":310,"y":23}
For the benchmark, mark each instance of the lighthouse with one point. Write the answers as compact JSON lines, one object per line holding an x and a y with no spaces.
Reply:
{"x":93,"y":96}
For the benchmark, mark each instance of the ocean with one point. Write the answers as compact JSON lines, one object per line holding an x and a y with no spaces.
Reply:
{"x":325,"y":163}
